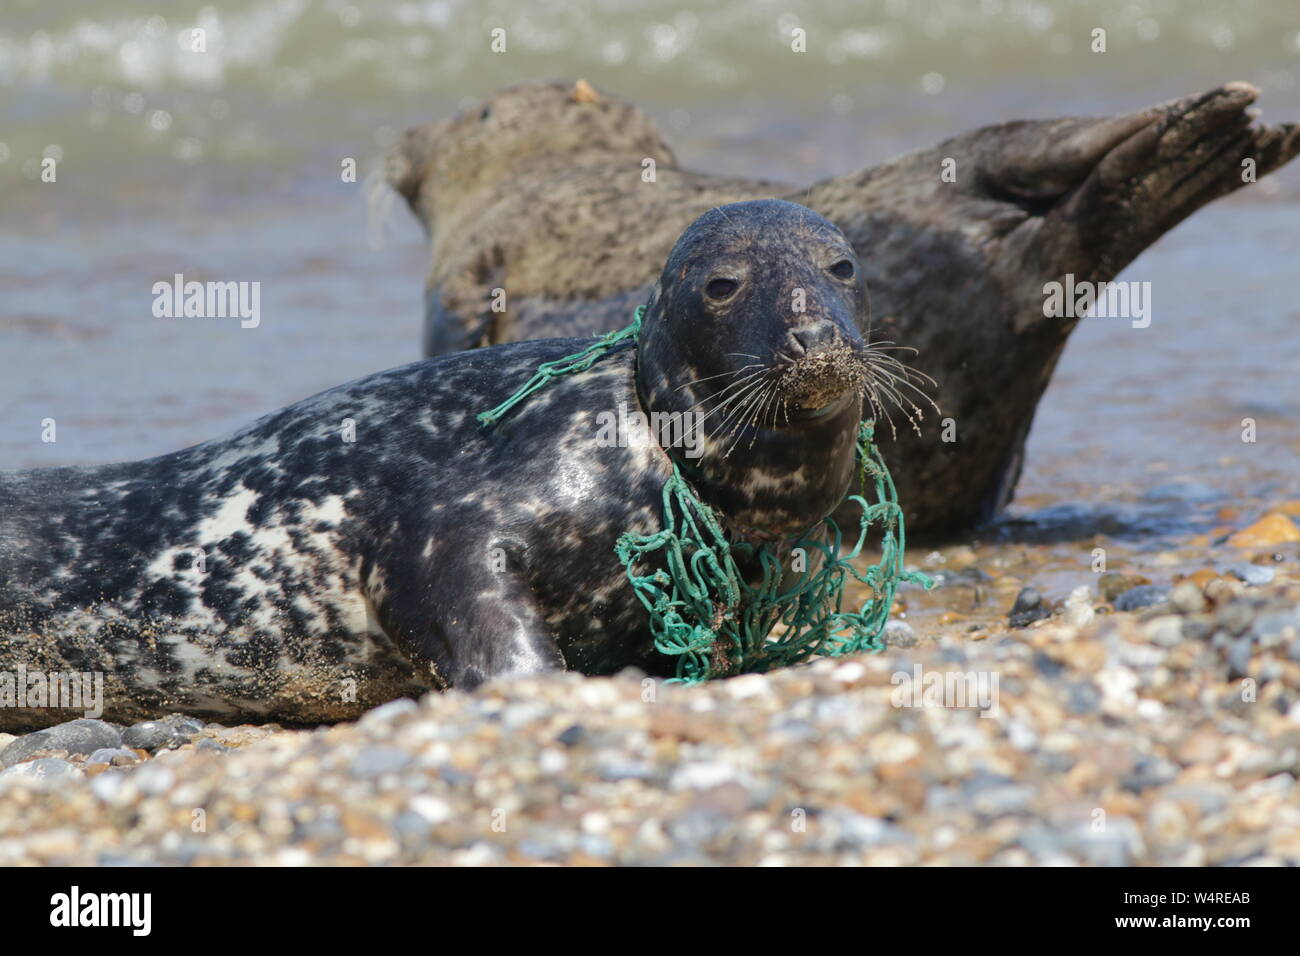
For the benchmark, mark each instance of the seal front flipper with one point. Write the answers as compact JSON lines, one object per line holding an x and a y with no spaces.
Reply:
{"x":477,"y":620}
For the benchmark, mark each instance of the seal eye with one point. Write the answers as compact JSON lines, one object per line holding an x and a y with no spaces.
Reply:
{"x":487,"y":111}
{"x":721,"y":288}
{"x":842,"y":269}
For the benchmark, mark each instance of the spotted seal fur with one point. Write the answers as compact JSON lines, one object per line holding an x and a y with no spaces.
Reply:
{"x":538,"y":191}
{"x":260,"y":576}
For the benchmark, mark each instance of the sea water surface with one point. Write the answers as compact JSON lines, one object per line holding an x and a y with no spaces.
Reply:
{"x":225,"y":165}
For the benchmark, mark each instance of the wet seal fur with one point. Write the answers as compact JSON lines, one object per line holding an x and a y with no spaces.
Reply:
{"x":538,"y":191}
{"x":433,"y":552}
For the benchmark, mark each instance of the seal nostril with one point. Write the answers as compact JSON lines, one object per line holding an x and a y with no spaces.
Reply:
{"x":814,"y":337}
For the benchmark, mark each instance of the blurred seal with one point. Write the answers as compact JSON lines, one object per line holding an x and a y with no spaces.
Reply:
{"x":540,"y":199}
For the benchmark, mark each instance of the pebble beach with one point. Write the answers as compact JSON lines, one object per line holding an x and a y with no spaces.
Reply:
{"x":1167,"y":734}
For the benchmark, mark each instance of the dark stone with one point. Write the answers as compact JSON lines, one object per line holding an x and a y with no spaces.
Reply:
{"x":1239,"y":658}
{"x":165,"y":734}
{"x":42,"y":767}
{"x":1029,"y":607}
{"x":573,"y":736}
{"x":110,"y":754}
{"x":1083,"y":698}
{"x":1149,"y":772}
{"x":82,"y":736}
{"x":375,"y":761}
{"x":1145,"y":595}
{"x":1254,"y":575}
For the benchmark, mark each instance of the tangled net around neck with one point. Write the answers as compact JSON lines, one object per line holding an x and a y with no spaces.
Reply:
{"x":703,"y":610}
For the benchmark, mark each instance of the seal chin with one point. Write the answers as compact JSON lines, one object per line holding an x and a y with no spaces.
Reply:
{"x":822,"y":382}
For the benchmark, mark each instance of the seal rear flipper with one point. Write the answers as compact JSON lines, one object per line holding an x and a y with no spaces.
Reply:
{"x":1143,"y":173}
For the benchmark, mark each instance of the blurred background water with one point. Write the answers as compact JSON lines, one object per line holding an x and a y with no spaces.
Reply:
{"x":224,"y":165}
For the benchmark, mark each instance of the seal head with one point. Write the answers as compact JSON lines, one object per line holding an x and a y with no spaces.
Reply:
{"x":535,"y":126}
{"x":755,"y":331}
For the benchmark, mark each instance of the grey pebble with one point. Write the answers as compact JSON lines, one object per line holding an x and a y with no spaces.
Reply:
{"x":389,"y":711}
{"x":1029,"y":607}
{"x":1273,"y":627}
{"x":1255,"y":575}
{"x":619,"y":769}
{"x":108,"y":785}
{"x":1236,"y":617}
{"x":1239,"y":658}
{"x":1190,"y":492}
{"x":378,"y":760}
{"x":573,"y":735}
{"x":846,"y":830}
{"x":153,"y":779}
{"x":412,"y":826}
{"x":1144,"y":595}
{"x":1083,"y":698}
{"x":42,"y":767}
{"x":1149,"y":772}
{"x":1110,"y":847}
{"x":80,"y":736}
{"x":165,"y":734}
{"x":109,"y":754}
{"x":899,"y":634}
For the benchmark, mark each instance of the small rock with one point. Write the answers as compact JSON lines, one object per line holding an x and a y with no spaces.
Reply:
{"x":378,"y":760}
{"x":1239,"y":658}
{"x":1188,"y":492}
{"x":1255,"y":575}
{"x":1114,"y":846}
{"x":166,"y":734}
{"x":573,"y":736}
{"x":899,"y":634}
{"x":1188,"y":598}
{"x":1270,"y":530}
{"x":1001,"y":801}
{"x":1150,"y":772}
{"x":1029,"y":607}
{"x":430,"y":809}
{"x":1236,"y":617}
{"x":44,"y":767}
{"x":108,"y":784}
{"x":153,"y":779}
{"x":1083,"y":698}
{"x":114,"y":756}
{"x":702,"y":776}
{"x":385,"y":713}
{"x":1223,"y":590}
{"x":1146,"y":595}
{"x":1078,"y":607}
{"x":1112,"y":584}
{"x":80,"y":736}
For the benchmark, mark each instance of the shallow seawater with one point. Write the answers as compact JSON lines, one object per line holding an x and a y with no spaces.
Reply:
{"x":225,"y":165}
